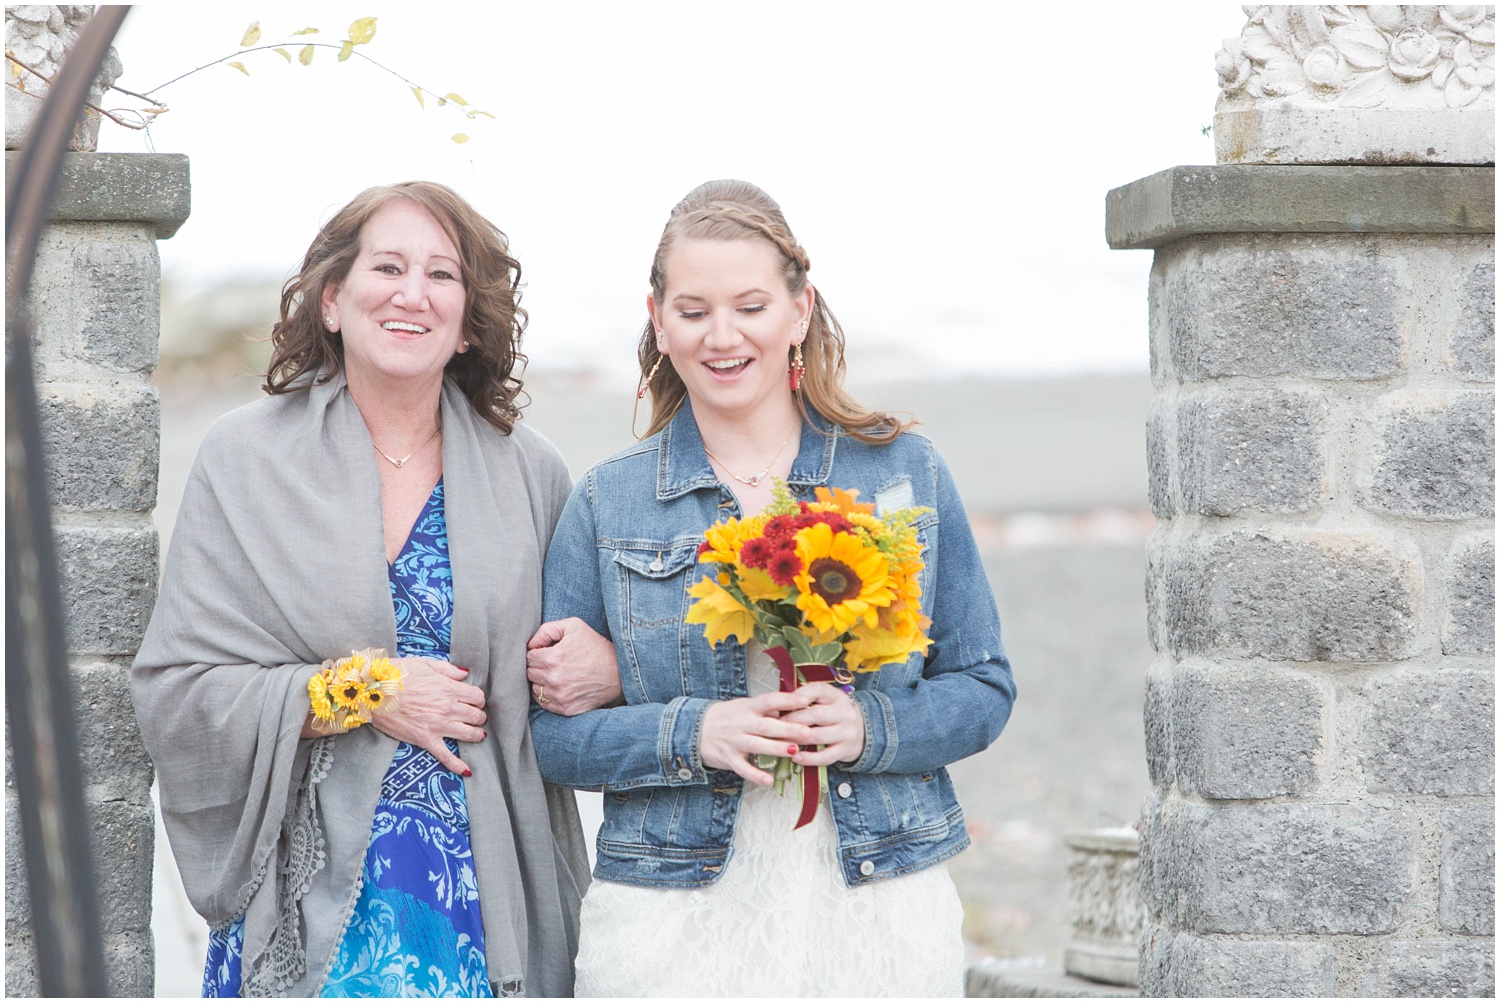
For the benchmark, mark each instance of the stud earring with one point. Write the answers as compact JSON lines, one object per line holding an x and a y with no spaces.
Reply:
{"x":466,"y":344}
{"x":796,"y":370}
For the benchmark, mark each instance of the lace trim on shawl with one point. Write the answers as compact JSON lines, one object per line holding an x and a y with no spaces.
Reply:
{"x":285,"y":958}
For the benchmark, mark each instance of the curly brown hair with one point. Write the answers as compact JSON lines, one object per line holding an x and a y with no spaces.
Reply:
{"x":303,"y":350}
{"x":738,"y":210}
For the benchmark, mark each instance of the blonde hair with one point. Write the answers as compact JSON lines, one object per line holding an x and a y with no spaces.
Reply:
{"x":738,"y":210}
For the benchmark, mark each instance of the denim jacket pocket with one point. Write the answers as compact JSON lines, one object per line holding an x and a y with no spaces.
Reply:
{"x":653,"y":581}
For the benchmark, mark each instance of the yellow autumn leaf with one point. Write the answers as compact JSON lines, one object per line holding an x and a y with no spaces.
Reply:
{"x":459,"y":137}
{"x":721,"y":614}
{"x":346,"y":50}
{"x":305,"y":31}
{"x":284,"y":54}
{"x":476,"y":111}
{"x":241,"y":68}
{"x":418,"y":92}
{"x":252,"y":34}
{"x":305,"y":56}
{"x":362,"y":31}
{"x":450,"y":96}
{"x":758,"y":585}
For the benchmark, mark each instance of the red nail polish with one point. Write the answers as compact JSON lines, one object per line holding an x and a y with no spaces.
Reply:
{"x":483,"y":735}
{"x":791,"y":750}
{"x":461,"y":668}
{"x":468,"y":773}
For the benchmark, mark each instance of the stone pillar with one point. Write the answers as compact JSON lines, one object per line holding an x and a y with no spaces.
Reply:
{"x":1320,"y":715}
{"x":95,"y":303}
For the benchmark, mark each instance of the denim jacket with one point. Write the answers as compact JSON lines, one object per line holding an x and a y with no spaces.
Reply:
{"x":622,"y":558}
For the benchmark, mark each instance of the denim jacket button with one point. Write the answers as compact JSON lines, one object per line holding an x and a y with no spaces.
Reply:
{"x":867,"y":868}
{"x":684,"y":774}
{"x":845,"y":790}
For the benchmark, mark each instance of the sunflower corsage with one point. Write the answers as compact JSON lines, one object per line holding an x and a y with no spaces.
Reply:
{"x":349,"y":692}
{"x":828,"y":588}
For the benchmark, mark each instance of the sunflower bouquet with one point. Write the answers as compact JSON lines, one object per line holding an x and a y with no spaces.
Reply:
{"x":829,"y":588}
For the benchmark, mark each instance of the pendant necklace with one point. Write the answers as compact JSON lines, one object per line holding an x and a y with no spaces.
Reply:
{"x":399,"y":462}
{"x":752,"y":481}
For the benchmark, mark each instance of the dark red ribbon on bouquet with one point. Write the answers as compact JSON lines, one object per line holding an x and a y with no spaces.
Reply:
{"x":812,"y":672}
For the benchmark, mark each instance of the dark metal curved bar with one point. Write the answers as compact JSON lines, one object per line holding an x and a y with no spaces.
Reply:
{"x":38,"y":685}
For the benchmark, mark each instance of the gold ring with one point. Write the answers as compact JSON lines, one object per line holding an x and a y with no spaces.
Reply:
{"x":541,"y":695}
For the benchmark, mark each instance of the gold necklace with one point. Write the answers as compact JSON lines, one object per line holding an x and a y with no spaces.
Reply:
{"x":398,"y":464}
{"x":753,"y":481}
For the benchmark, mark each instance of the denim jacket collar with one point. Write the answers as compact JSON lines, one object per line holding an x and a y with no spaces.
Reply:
{"x":683,"y":466}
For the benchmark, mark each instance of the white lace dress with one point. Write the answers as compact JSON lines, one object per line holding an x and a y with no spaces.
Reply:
{"x":780,"y":921}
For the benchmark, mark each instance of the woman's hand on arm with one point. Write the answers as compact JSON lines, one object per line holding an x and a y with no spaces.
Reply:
{"x":834,"y":721}
{"x":435,"y":703}
{"x":734,"y":730}
{"x":572,"y":668}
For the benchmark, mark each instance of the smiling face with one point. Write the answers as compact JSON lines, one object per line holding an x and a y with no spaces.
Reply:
{"x":400,"y":309}
{"x":728,"y":322}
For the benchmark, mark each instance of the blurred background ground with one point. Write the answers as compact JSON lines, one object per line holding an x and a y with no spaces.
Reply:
{"x":1053,"y":474}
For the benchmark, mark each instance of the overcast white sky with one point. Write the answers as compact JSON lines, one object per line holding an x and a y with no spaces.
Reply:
{"x":944,"y":164}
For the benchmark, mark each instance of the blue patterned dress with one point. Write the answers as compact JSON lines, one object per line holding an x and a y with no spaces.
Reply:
{"x":416,"y":929}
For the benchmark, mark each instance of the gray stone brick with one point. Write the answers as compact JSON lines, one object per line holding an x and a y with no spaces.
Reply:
{"x":1471,"y":344}
{"x":1434,"y":456}
{"x":1466,"y":874}
{"x":20,"y":968}
{"x":1159,"y":459}
{"x":17,"y":902}
{"x":1257,"y":968}
{"x":1158,"y":721}
{"x":1250,"y":450}
{"x":102,"y":444}
{"x":1429,"y":732}
{"x":1288,"y":306}
{"x":1469,"y":615}
{"x":124,"y":841}
{"x":117,"y":284}
{"x":130,"y":964}
{"x":1156,"y":960}
{"x":1156,"y":872}
{"x":116,"y":765}
{"x":1246,"y":733}
{"x":1289,"y":868}
{"x":1432,"y":968}
{"x":1315,"y":597}
{"x":109,"y":586}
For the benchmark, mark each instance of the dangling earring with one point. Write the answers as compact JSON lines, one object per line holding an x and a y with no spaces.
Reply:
{"x":796,"y":370}
{"x":646,"y":383}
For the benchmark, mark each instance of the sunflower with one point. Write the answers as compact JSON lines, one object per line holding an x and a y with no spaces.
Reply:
{"x":317,"y":691}
{"x":721,"y":614}
{"x":346,"y":692}
{"x":722,"y":540}
{"x":843,"y":580}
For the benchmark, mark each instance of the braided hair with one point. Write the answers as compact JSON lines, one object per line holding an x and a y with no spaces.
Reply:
{"x":738,"y":210}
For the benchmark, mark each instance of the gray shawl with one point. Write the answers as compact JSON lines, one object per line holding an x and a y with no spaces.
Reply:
{"x":277,"y":562}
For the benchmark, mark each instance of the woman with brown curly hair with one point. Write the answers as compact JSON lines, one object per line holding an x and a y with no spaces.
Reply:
{"x":364,"y":546}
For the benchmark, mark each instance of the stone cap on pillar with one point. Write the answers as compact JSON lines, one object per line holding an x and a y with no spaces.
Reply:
{"x":122,"y":188}
{"x":1265,"y":198}
{"x":1336,"y":84}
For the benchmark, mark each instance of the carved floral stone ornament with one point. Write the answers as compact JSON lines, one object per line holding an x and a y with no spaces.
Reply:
{"x":1300,"y":61}
{"x":1361,"y":57}
{"x":39,"y":36}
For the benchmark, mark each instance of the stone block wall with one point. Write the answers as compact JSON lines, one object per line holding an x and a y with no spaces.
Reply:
{"x":95,"y":306}
{"x":1320,"y":715}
